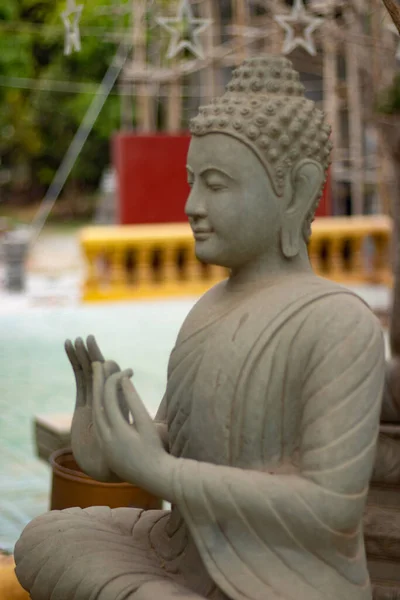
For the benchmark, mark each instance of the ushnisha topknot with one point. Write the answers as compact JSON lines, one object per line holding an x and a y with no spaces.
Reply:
{"x":264,"y":107}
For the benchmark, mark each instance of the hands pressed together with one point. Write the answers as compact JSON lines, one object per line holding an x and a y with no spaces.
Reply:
{"x":113,"y":436}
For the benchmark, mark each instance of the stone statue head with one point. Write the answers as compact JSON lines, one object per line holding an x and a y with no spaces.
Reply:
{"x":257,"y":164}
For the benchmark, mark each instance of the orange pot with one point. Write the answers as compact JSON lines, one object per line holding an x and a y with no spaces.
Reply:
{"x":71,"y":487}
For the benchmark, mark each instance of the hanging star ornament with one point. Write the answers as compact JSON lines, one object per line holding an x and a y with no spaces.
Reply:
{"x":299,"y":26}
{"x":71,"y":17}
{"x":392,"y":27}
{"x":185,"y":30}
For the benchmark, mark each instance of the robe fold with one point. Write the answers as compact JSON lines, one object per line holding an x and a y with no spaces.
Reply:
{"x":272,"y":407}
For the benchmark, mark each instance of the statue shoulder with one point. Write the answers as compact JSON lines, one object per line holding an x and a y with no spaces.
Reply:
{"x":348,"y":305}
{"x":341,"y":316}
{"x":204,"y":311}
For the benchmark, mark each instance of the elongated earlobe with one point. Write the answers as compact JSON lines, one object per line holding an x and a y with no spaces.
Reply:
{"x":306,"y":183}
{"x":290,"y":239}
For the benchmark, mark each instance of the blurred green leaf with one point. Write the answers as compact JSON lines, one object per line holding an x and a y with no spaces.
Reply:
{"x":39,"y":122}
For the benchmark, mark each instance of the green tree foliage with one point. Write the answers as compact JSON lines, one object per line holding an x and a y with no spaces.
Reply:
{"x":40,"y":114}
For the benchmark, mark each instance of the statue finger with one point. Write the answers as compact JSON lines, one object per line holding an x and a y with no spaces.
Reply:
{"x":84,"y":360}
{"x":141,"y":417}
{"x":94,"y":351}
{"x":112,"y":400}
{"x":70,"y":350}
{"x":111,"y":367}
{"x":121,"y":398}
{"x":77,"y":369}
{"x":124,"y":408}
{"x":99,"y":414}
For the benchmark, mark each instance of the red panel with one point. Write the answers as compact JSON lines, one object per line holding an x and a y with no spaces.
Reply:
{"x":152,"y":178}
{"x":151,"y":173}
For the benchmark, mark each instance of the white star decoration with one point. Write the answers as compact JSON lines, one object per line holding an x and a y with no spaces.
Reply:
{"x":299,"y":17}
{"x":71,"y":17}
{"x":185,"y":30}
{"x":392,"y":27}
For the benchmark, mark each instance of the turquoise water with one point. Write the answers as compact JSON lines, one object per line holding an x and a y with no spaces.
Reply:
{"x":36,"y":378}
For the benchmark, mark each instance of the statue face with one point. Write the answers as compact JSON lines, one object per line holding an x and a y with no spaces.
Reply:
{"x":232,"y":209}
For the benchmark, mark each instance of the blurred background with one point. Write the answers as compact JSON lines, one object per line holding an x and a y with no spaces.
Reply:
{"x":95,"y":100}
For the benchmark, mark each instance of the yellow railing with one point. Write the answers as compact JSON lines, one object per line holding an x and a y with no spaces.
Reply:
{"x":142,"y":261}
{"x":352,"y":249}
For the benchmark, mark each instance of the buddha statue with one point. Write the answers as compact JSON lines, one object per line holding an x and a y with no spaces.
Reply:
{"x":264,"y":442}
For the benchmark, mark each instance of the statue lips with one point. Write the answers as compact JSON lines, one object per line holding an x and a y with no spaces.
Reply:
{"x":201,"y":233}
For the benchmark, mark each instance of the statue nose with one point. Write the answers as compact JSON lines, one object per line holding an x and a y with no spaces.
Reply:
{"x":195,"y":206}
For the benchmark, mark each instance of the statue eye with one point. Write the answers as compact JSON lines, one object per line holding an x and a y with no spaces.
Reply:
{"x":216,"y":187}
{"x":215,"y":181}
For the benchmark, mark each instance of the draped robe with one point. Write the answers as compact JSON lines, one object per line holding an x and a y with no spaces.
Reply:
{"x":272,"y":407}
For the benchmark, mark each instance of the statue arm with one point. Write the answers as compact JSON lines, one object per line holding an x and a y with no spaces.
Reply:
{"x":160,"y":421}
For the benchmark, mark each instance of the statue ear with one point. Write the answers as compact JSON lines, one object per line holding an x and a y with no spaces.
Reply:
{"x":307,"y":178}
